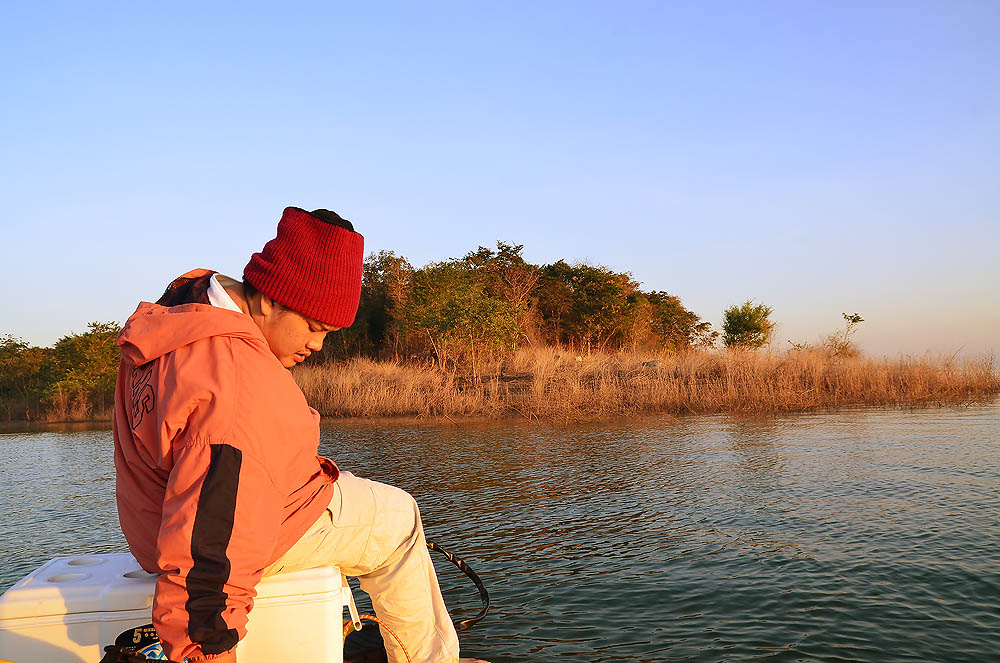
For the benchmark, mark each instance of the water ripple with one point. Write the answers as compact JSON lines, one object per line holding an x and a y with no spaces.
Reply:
{"x":866,"y":535}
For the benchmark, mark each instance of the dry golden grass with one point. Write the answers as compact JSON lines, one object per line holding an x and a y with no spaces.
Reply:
{"x":547,"y":383}
{"x":63,"y":408}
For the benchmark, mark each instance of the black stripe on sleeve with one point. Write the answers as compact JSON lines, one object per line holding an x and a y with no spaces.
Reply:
{"x":213,"y":527}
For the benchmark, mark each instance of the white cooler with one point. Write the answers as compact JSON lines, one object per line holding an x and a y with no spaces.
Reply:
{"x":68,"y":610}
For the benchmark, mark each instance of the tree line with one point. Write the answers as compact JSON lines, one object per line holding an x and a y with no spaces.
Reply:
{"x":73,"y":379}
{"x":492,"y":301}
{"x":462,"y":311}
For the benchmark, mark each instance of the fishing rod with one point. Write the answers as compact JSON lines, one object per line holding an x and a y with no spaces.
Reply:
{"x":484,"y":596}
{"x":366,"y":644}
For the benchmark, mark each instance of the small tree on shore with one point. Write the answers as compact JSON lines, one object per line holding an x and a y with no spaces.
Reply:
{"x":840,"y":343}
{"x":747,"y":326}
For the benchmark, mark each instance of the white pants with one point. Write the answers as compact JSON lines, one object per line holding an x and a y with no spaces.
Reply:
{"x":373,"y":531}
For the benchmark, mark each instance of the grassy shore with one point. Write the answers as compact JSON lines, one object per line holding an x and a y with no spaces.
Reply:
{"x":554,"y":385}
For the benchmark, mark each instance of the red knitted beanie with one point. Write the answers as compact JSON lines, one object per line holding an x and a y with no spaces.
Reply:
{"x":311,"y":267}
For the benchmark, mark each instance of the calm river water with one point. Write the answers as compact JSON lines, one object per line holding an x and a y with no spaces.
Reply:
{"x":864,"y":535}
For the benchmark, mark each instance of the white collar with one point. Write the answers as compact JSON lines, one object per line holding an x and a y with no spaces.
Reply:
{"x":217,"y":296}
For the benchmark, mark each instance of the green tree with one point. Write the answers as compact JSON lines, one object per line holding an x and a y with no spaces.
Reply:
{"x":385,"y":283}
{"x":85,"y":368}
{"x":747,"y":326}
{"x":508,"y":276}
{"x":11,"y":349}
{"x":22,"y":376}
{"x":449,"y":307}
{"x":677,"y":328}
{"x":554,"y":301}
{"x":602,"y":304}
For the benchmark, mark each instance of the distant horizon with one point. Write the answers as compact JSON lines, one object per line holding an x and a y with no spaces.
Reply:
{"x":821,"y":159}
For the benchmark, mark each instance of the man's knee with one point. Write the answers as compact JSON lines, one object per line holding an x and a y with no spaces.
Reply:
{"x":398,"y":500}
{"x":398,"y":527}
{"x":394,"y":514}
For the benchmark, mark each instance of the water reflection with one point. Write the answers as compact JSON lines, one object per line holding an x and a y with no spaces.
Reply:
{"x":704,"y":538}
{"x":759,"y":462}
{"x":866,"y":535}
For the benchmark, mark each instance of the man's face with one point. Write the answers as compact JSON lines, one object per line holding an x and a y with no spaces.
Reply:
{"x":291,"y":336}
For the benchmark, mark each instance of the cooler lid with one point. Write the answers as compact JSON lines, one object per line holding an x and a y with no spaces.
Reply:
{"x":84,"y":583}
{"x":115,"y":582}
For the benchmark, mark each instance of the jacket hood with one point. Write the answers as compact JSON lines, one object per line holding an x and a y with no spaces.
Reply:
{"x":154,"y":330}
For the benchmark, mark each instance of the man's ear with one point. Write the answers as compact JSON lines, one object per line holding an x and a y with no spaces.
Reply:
{"x":266,"y":304}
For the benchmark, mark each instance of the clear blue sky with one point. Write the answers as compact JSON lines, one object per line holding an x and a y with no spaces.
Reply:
{"x":818,"y":157}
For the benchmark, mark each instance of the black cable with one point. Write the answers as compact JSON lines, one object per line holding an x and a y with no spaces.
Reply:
{"x":484,"y":596}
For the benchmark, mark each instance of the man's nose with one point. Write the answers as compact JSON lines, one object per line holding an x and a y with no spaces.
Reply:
{"x":316,"y":342}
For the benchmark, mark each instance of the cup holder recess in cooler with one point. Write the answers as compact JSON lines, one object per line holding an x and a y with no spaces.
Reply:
{"x":139,"y":573}
{"x":85,"y":561}
{"x":68,"y":577}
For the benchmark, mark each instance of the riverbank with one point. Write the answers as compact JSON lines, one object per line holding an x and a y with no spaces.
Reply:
{"x":546,"y":383}
{"x":554,"y":385}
